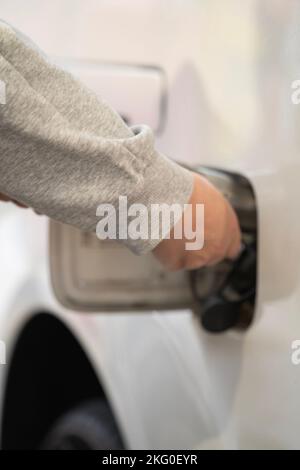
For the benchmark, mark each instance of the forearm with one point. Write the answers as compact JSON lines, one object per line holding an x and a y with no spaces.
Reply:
{"x":63,"y":151}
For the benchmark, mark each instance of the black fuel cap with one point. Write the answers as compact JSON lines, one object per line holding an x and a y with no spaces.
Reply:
{"x":217,"y":315}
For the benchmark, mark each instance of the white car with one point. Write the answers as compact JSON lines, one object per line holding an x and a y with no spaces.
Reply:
{"x":106,"y":350}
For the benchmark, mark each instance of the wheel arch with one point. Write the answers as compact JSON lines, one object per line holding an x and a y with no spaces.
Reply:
{"x":49,"y":373}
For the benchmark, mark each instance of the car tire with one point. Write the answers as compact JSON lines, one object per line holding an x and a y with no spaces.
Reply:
{"x":90,"y":426}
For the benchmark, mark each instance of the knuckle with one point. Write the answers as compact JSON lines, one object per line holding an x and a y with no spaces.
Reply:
{"x":178,"y":265}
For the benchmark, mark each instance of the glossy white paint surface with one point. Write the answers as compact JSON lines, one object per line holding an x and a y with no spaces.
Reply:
{"x":229,"y":68}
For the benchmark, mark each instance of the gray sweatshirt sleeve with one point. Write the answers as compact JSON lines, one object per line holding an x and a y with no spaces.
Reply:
{"x":63,"y":151}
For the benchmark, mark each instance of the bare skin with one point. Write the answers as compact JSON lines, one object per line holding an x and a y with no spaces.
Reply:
{"x":8,"y":199}
{"x":222,"y":236}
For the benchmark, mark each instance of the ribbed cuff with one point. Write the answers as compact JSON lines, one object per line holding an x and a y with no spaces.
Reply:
{"x":165,"y":183}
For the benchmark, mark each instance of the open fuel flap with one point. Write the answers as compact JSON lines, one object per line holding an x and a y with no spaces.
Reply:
{"x":91,"y":275}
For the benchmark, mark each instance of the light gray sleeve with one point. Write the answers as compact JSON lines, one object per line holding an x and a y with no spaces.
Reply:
{"x":63,"y":151}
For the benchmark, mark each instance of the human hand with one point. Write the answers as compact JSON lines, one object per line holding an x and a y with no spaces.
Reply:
{"x":222,"y":234}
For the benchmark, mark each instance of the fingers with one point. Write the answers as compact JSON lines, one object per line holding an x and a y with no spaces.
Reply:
{"x":222,"y":234}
